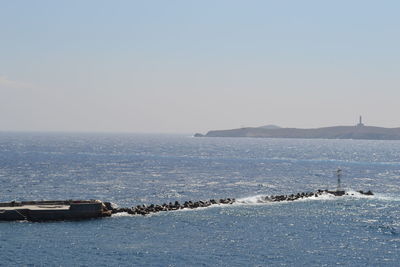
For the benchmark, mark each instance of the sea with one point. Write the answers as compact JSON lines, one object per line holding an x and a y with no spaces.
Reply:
{"x":135,"y":169}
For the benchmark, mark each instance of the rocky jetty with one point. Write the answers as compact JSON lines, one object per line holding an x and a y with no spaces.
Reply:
{"x":153,"y":208}
{"x":171,"y":206}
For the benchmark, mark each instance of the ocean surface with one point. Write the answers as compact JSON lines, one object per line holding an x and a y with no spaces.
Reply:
{"x":132,"y":169}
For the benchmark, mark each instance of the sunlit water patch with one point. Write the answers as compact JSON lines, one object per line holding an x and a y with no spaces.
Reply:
{"x":129,"y":170}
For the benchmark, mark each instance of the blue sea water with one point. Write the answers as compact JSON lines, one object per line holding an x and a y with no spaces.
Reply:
{"x":132,"y":169}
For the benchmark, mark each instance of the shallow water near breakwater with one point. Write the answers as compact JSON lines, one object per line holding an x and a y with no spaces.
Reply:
{"x":143,"y":169}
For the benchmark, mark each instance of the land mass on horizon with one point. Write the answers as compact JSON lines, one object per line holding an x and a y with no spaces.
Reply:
{"x":359,"y":131}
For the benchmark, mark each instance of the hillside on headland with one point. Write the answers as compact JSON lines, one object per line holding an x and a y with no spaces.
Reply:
{"x":336,"y":132}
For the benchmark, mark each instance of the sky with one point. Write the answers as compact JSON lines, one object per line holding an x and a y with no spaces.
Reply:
{"x":188,"y":66}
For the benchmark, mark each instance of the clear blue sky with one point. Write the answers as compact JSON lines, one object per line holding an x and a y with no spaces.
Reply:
{"x":191,"y":66}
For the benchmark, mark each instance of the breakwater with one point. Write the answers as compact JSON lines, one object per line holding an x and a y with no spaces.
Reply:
{"x":153,"y":208}
{"x":171,"y":206}
{"x":86,"y":209}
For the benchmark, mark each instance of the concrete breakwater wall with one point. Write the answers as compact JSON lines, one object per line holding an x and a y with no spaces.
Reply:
{"x":154,"y":208}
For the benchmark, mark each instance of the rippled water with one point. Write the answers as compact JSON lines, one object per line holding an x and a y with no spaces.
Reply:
{"x":142,"y":169}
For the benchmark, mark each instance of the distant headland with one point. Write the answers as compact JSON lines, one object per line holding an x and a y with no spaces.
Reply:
{"x":358,"y":131}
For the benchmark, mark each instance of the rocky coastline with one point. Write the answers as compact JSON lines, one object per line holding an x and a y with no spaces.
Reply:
{"x":335,"y":132}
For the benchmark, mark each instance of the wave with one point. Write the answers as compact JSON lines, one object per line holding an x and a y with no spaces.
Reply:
{"x":264,"y":199}
{"x":350,"y":194}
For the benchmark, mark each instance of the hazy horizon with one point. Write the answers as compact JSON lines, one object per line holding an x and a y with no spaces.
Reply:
{"x":187,"y":67}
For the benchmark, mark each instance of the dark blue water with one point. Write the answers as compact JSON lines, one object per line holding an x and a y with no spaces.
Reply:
{"x":142,"y":169}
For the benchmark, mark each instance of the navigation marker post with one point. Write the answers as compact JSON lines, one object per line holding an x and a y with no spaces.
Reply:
{"x":339,"y":176}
